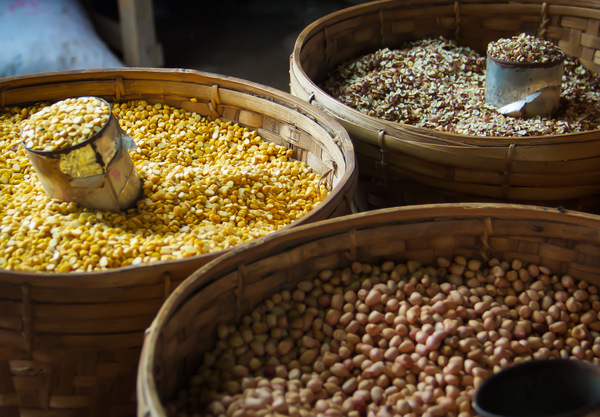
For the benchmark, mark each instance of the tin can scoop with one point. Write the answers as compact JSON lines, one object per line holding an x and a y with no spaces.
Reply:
{"x":524,"y":76}
{"x":88,"y":164}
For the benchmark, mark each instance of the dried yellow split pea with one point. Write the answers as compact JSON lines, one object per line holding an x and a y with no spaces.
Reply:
{"x":65,"y":123}
{"x":208,"y":186}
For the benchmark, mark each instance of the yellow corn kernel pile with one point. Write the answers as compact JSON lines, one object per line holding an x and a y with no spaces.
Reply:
{"x":208,"y":185}
{"x":65,"y":123}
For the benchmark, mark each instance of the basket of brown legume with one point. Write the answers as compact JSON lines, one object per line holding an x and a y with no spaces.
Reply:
{"x":402,"y":311}
{"x":222,"y":161}
{"x":407,"y":79}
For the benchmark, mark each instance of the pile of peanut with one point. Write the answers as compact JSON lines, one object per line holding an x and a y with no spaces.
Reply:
{"x":208,"y":185}
{"x":437,"y":84}
{"x":392,"y":340}
{"x":65,"y":123}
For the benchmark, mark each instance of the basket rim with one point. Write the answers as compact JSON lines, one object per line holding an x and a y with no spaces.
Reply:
{"x":338,"y":135}
{"x":323,"y":100}
{"x":267,"y":245}
{"x":367,"y":219}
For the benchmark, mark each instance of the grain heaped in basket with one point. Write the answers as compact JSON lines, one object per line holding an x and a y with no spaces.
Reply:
{"x":401,"y":163}
{"x":398,"y":311}
{"x":70,"y":339}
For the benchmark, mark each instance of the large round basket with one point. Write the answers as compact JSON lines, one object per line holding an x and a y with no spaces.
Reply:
{"x":70,"y":343}
{"x":231,"y":286}
{"x":404,"y":164}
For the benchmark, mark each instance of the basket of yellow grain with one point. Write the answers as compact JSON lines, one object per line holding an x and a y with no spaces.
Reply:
{"x":218,"y":161}
{"x":408,"y":80}
{"x":398,"y":311}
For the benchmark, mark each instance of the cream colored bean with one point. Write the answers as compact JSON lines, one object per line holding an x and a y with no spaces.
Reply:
{"x":412,"y":358}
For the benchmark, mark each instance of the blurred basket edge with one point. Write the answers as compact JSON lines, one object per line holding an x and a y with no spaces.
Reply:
{"x":230,"y":286}
{"x":402,"y":164}
{"x":70,"y":343}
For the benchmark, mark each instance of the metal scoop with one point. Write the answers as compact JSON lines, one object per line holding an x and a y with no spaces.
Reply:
{"x":97,"y":173}
{"x":540,"y":103}
{"x":523,"y":90}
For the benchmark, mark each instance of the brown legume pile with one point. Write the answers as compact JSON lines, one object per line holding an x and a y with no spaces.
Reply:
{"x":392,"y":340}
{"x":525,"y":49}
{"x":65,"y":123}
{"x":208,"y":185}
{"x":436,"y":84}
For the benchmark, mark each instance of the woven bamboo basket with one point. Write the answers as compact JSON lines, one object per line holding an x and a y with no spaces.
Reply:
{"x":403,"y":164}
{"x":70,"y":343}
{"x":231,"y":286}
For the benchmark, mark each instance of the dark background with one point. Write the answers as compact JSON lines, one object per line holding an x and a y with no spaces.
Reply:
{"x":249,"y":39}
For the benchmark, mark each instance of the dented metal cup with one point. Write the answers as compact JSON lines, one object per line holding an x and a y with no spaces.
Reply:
{"x":97,"y":173}
{"x":524,"y":89}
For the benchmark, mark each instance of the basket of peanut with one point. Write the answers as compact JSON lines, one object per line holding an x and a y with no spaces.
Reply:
{"x":211,"y":161}
{"x":399,"y":311}
{"x":408,"y":80}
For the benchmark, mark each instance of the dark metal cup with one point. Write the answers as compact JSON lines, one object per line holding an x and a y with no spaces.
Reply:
{"x":97,"y":173}
{"x":541,"y":388}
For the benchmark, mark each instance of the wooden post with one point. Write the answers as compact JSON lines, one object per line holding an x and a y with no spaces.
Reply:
{"x":138,"y":34}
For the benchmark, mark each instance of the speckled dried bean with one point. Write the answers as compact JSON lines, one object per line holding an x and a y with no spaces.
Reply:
{"x":414,"y":362}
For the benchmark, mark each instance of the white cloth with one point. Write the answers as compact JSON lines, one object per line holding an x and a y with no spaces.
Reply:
{"x":49,"y":35}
